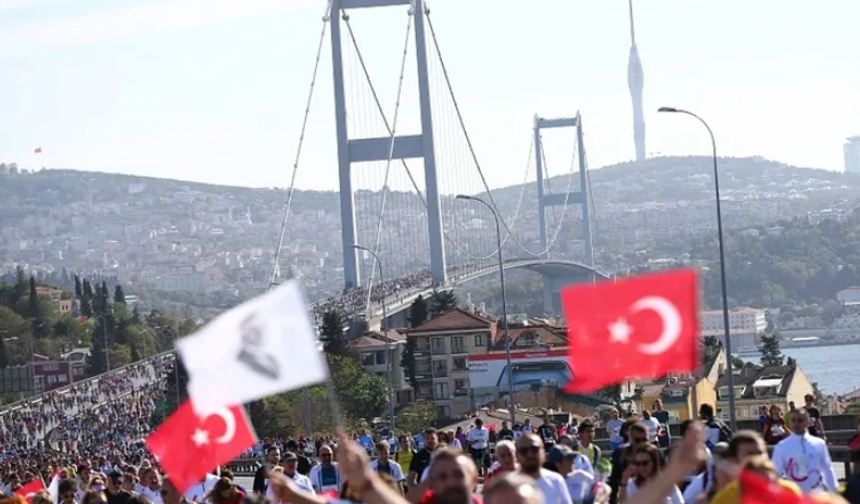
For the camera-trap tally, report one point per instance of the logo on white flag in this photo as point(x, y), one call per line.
point(263, 347)
point(253, 352)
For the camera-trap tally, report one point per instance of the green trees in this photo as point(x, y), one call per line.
point(770, 352)
point(332, 333)
point(118, 295)
point(418, 312)
point(442, 301)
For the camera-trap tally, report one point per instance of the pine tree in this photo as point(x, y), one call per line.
point(770, 352)
point(20, 285)
point(4, 354)
point(97, 361)
point(332, 333)
point(135, 316)
point(105, 298)
point(78, 292)
point(418, 312)
point(443, 301)
point(118, 295)
point(33, 305)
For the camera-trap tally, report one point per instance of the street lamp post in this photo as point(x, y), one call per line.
point(496, 219)
point(388, 356)
point(726, 333)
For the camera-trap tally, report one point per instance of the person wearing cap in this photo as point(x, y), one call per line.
point(304, 464)
point(574, 468)
point(289, 468)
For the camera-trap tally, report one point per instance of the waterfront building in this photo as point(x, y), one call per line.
point(849, 296)
point(742, 318)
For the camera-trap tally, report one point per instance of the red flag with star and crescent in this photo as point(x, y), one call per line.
point(640, 327)
point(188, 446)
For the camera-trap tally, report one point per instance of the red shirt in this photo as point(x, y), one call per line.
point(429, 497)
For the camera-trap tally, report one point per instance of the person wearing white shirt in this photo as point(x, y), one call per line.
point(652, 423)
point(199, 491)
point(804, 459)
point(384, 464)
point(291, 462)
point(574, 467)
point(326, 476)
point(478, 440)
point(531, 456)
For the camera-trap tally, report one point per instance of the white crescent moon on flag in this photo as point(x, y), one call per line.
point(671, 323)
point(229, 422)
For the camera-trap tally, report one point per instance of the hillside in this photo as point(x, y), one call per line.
point(215, 241)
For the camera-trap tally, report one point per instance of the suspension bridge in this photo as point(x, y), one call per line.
point(400, 171)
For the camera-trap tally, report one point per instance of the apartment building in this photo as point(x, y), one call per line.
point(373, 356)
point(442, 348)
point(754, 388)
point(744, 319)
point(849, 296)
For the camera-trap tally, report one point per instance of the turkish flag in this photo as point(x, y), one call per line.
point(188, 446)
point(30, 489)
point(757, 489)
point(642, 327)
point(37, 150)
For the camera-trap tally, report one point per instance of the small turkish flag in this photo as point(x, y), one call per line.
point(30, 489)
point(188, 446)
point(37, 150)
point(643, 327)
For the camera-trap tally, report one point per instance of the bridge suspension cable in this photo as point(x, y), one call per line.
point(390, 130)
point(508, 228)
point(392, 134)
point(289, 202)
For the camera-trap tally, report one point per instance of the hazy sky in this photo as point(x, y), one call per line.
point(214, 90)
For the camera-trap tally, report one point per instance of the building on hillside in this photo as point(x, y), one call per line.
point(756, 387)
point(61, 299)
point(743, 340)
point(851, 150)
point(682, 395)
point(849, 296)
point(371, 350)
point(743, 318)
point(442, 348)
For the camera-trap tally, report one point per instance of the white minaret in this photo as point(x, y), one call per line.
point(636, 81)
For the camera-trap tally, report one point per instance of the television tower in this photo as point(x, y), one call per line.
point(636, 81)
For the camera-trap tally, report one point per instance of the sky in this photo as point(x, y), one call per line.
point(215, 90)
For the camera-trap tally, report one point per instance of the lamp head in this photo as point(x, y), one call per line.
point(668, 109)
point(463, 197)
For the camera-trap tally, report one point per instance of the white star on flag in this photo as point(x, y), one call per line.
point(620, 331)
point(200, 437)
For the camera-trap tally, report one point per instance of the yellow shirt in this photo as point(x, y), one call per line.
point(731, 493)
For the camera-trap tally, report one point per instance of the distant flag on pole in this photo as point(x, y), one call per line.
point(263, 347)
point(37, 150)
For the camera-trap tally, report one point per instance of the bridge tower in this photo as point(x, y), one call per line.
point(377, 149)
point(553, 284)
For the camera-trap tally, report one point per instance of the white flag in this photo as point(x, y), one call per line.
point(263, 347)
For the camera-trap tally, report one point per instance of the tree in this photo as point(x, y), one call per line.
point(417, 416)
point(443, 301)
point(4, 356)
point(418, 312)
point(33, 305)
point(332, 333)
point(78, 291)
point(97, 361)
point(407, 362)
point(118, 295)
point(770, 352)
point(362, 394)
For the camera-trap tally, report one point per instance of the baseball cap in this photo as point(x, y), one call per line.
point(558, 453)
